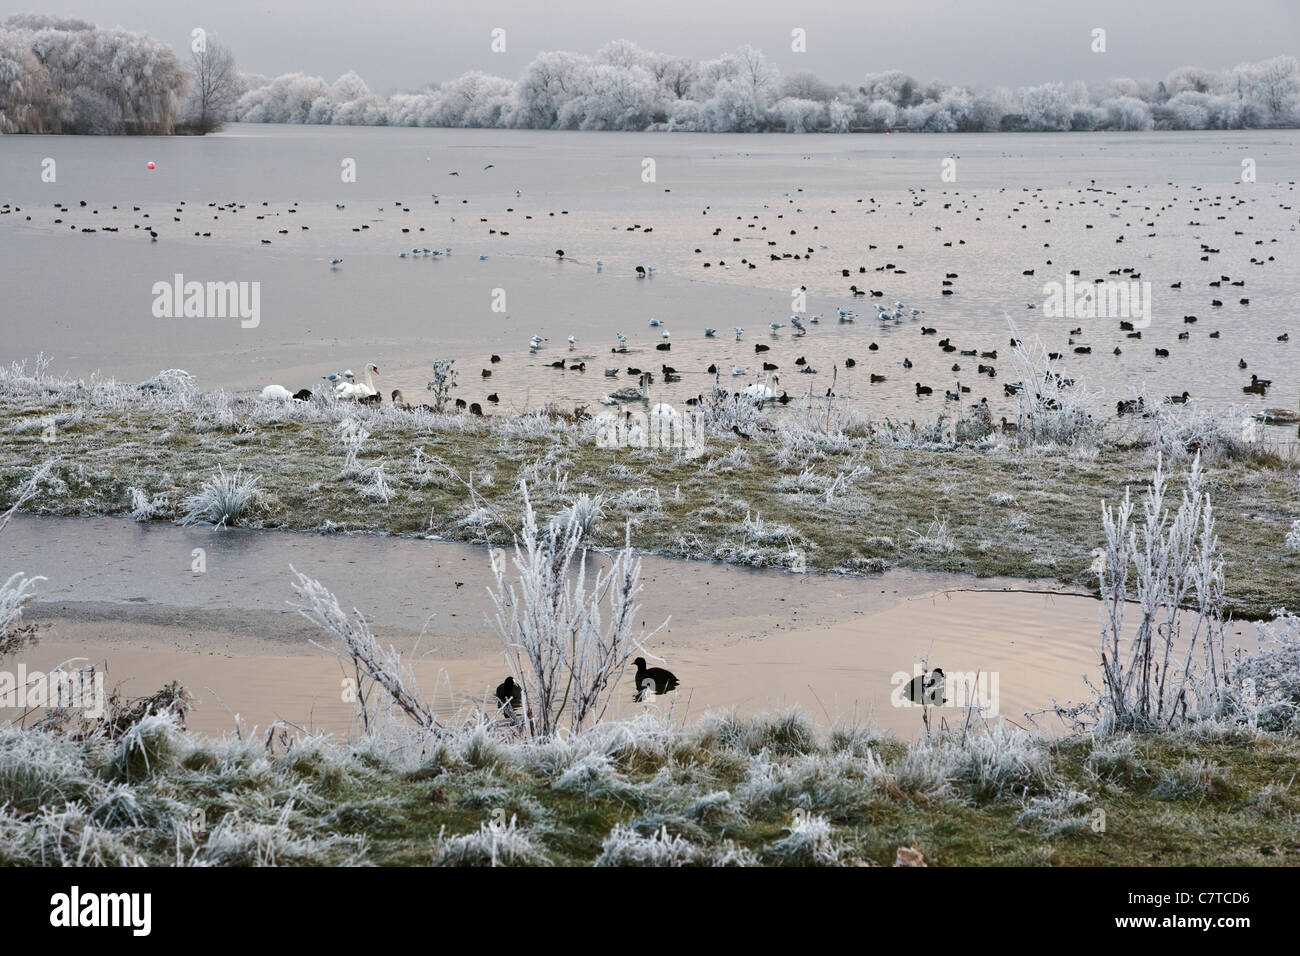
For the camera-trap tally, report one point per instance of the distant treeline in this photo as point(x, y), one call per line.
point(624, 87)
point(62, 75)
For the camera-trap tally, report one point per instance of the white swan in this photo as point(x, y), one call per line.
point(359, 389)
point(664, 413)
point(661, 413)
point(276, 393)
point(762, 393)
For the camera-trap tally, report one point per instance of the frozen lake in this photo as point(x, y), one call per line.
point(1155, 203)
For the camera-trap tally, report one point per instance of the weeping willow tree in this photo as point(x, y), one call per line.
point(28, 101)
point(61, 75)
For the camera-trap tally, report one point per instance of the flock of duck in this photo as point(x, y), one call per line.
point(971, 361)
point(649, 680)
point(975, 360)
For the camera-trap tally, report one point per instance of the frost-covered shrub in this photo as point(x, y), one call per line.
point(1051, 408)
point(1293, 536)
point(562, 652)
point(1174, 665)
point(1274, 670)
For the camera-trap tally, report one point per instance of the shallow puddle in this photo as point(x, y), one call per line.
point(124, 595)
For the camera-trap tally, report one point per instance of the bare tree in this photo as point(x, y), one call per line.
point(215, 85)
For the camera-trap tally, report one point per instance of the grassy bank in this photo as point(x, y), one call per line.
point(724, 791)
point(792, 489)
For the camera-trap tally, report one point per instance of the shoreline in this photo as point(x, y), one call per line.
point(852, 501)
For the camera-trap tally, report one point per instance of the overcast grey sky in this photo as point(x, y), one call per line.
point(405, 44)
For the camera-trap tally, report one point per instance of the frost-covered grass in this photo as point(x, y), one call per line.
point(220, 500)
point(643, 793)
point(822, 489)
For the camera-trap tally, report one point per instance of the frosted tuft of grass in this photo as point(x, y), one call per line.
point(1058, 811)
point(809, 841)
point(592, 776)
point(64, 836)
point(239, 841)
point(375, 484)
point(584, 513)
point(998, 761)
point(147, 748)
point(493, 844)
point(789, 732)
point(15, 593)
point(1194, 779)
point(760, 532)
point(935, 538)
point(39, 768)
point(221, 500)
point(143, 508)
point(1116, 758)
point(625, 847)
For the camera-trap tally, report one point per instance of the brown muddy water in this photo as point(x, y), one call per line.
point(124, 597)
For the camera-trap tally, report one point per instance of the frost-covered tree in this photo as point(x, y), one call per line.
point(674, 74)
point(840, 115)
point(1194, 79)
point(94, 79)
point(1126, 113)
point(796, 115)
point(474, 99)
point(29, 103)
point(1272, 87)
point(626, 87)
point(548, 83)
point(806, 86)
point(352, 103)
point(286, 99)
point(736, 91)
point(1046, 107)
point(881, 115)
point(893, 86)
point(608, 97)
point(215, 86)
